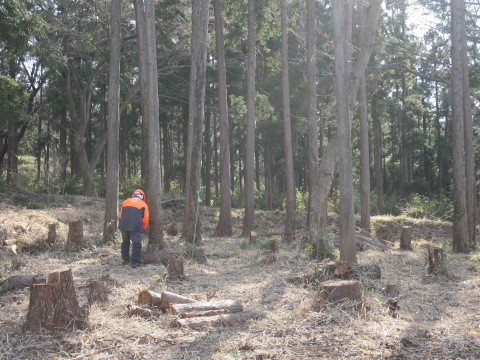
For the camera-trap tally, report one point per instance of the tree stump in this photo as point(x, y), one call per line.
point(75, 236)
point(392, 289)
point(436, 260)
point(406, 238)
point(98, 292)
point(338, 290)
point(172, 262)
point(54, 305)
point(253, 237)
point(52, 234)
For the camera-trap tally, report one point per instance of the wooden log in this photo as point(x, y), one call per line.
point(406, 238)
point(150, 298)
point(75, 236)
point(228, 306)
point(436, 260)
point(170, 298)
point(52, 233)
point(338, 290)
point(54, 305)
point(205, 322)
point(98, 292)
point(20, 282)
point(139, 311)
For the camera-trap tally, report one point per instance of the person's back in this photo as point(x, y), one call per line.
point(134, 216)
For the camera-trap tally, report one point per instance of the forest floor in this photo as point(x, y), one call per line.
point(438, 318)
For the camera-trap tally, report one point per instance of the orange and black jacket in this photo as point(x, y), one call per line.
point(134, 215)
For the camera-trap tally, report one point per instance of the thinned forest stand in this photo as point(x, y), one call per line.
point(54, 305)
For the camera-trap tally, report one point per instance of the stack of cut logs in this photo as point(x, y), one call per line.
point(190, 313)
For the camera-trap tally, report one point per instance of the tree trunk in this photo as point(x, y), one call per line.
point(347, 225)
point(364, 138)
point(113, 127)
point(196, 112)
point(54, 305)
point(377, 146)
point(154, 186)
point(313, 159)
point(200, 308)
point(289, 184)
point(224, 227)
point(249, 218)
point(205, 322)
point(461, 234)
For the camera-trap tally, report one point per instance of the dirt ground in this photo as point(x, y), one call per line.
point(439, 316)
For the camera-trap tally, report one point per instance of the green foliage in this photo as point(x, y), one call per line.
point(12, 97)
point(433, 208)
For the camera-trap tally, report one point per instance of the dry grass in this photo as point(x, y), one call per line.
point(439, 317)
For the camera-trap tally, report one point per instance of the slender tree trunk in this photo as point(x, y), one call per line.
point(191, 224)
point(224, 227)
point(154, 186)
point(289, 184)
point(364, 138)
point(208, 158)
point(249, 219)
point(377, 155)
point(461, 233)
point(347, 224)
point(63, 154)
point(313, 158)
point(113, 128)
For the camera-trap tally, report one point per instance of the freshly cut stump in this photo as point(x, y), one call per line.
point(406, 238)
point(54, 305)
point(338, 290)
point(436, 260)
point(98, 292)
point(75, 236)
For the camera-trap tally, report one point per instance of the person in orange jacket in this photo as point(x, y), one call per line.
point(134, 216)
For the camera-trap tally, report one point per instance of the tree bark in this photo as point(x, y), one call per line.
point(200, 308)
point(249, 218)
point(224, 227)
point(406, 238)
point(191, 224)
point(113, 126)
point(313, 159)
point(289, 182)
point(75, 236)
point(337, 290)
point(205, 322)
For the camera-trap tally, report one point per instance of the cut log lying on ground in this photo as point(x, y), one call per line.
point(202, 308)
point(363, 240)
point(163, 301)
point(139, 311)
point(150, 298)
point(20, 282)
point(205, 322)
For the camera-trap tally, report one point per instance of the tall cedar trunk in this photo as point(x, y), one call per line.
point(113, 127)
point(167, 157)
point(461, 238)
point(208, 158)
point(215, 157)
point(224, 227)
point(12, 159)
point(439, 140)
point(191, 223)
point(39, 148)
point(364, 138)
point(289, 185)
point(154, 186)
point(471, 189)
point(63, 152)
point(249, 219)
point(347, 224)
point(312, 104)
point(143, 69)
point(377, 148)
